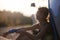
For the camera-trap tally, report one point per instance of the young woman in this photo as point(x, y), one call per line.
point(43, 26)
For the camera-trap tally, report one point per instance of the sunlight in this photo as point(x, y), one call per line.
point(23, 6)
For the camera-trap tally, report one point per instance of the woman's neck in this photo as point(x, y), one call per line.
point(43, 21)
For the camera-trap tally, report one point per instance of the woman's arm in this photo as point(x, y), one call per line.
point(32, 28)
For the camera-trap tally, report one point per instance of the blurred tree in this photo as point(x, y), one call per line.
point(26, 20)
point(2, 21)
point(12, 19)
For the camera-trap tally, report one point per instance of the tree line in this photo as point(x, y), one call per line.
point(8, 18)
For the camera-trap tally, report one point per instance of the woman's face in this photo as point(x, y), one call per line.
point(40, 15)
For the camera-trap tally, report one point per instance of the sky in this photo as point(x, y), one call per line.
point(23, 6)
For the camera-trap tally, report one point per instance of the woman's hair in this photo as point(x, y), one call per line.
point(43, 10)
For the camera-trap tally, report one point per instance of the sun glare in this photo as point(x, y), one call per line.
point(23, 6)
